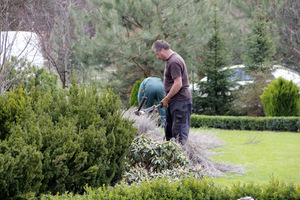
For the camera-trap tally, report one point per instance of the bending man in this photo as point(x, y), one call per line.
point(152, 88)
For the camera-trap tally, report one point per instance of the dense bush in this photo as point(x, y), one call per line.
point(188, 188)
point(281, 98)
point(247, 123)
point(61, 141)
point(133, 100)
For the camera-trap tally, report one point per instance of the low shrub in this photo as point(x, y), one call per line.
point(291, 124)
point(187, 188)
point(149, 159)
point(133, 100)
point(281, 98)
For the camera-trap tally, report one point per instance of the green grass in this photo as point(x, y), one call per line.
point(264, 154)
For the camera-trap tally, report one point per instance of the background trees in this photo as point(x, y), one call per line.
point(112, 39)
point(214, 96)
point(258, 60)
point(120, 34)
point(284, 18)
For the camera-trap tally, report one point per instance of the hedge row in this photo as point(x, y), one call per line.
point(291, 124)
point(188, 188)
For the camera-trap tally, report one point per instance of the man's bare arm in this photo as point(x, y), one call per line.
point(175, 88)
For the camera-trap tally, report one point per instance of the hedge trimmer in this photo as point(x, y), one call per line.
point(147, 110)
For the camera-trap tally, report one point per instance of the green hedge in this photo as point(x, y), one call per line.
point(291, 124)
point(188, 188)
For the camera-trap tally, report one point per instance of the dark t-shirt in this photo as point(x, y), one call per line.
point(175, 67)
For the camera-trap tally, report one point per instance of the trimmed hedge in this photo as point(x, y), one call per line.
point(291, 124)
point(188, 188)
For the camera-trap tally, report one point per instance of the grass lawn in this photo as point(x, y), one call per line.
point(263, 153)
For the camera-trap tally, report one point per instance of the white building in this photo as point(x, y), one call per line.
point(21, 45)
point(278, 71)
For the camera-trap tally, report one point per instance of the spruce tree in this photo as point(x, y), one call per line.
point(214, 96)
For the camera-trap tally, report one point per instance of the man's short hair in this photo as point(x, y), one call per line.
point(158, 45)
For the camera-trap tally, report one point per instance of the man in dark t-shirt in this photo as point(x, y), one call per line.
point(178, 100)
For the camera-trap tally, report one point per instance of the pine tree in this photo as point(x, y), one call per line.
point(214, 96)
point(121, 33)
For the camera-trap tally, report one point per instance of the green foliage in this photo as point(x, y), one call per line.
point(14, 71)
point(187, 188)
point(12, 110)
point(260, 46)
point(121, 33)
point(149, 159)
point(214, 96)
point(155, 157)
point(41, 77)
point(247, 123)
point(133, 100)
point(61, 141)
point(24, 73)
point(258, 60)
point(281, 98)
point(20, 168)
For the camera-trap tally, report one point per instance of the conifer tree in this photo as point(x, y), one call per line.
point(214, 96)
point(258, 61)
point(281, 98)
point(260, 47)
point(121, 33)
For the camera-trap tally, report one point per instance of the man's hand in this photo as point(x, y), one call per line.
point(165, 101)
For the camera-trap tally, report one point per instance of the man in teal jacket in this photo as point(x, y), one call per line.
point(153, 88)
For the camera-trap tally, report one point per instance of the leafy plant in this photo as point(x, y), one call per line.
point(149, 159)
point(155, 157)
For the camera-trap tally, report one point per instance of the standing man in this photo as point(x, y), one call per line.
point(153, 88)
point(178, 100)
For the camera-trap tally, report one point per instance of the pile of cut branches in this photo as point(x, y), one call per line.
point(197, 149)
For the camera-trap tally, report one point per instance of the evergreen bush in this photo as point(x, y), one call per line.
point(61, 140)
point(187, 188)
point(281, 98)
point(133, 100)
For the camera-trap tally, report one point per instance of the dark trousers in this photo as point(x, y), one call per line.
point(178, 120)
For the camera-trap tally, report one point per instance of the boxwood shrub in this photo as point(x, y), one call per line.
point(187, 188)
point(291, 124)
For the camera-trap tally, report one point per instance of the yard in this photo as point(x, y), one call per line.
point(263, 154)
